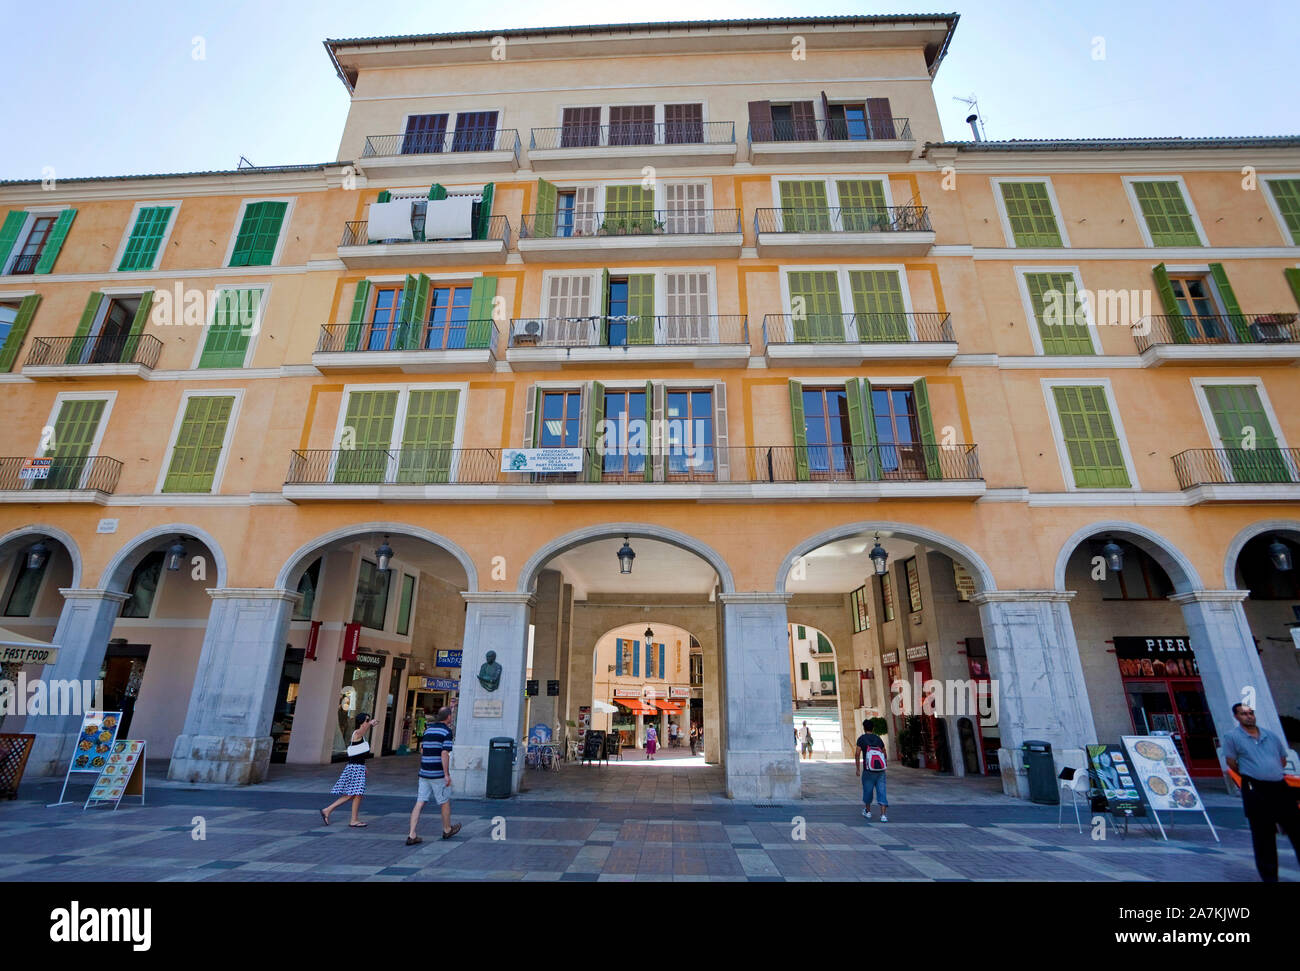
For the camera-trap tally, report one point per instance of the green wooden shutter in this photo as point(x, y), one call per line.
point(544, 220)
point(54, 242)
point(1292, 275)
point(198, 444)
point(800, 426)
point(878, 305)
point(1170, 303)
point(641, 307)
point(628, 207)
point(384, 196)
point(428, 437)
point(1286, 194)
point(1235, 316)
point(1090, 438)
point(360, 300)
point(1168, 220)
point(74, 434)
point(481, 327)
point(15, 219)
point(1029, 211)
point(408, 333)
point(258, 234)
point(1065, 336)
point(533, 418)
point(370, 415)
point(226, 344)
point(137, 327)
point(930, 445)
point(805, 209)
point(604, 306)
point(18, 331)
point(862, 206)
point(822, 320)
point(862, 430)
point(146, 236)
point(437, 192)
point(77, 347)
point(484, 222)
point(1237, 407)
point(596, 462)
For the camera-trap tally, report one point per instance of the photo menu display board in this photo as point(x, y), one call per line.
point(1112, 776)
point(1161, 772)
point(95, 741)
point(123, 775)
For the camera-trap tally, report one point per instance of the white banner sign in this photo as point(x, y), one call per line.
point(35, 469)
point(541, 460)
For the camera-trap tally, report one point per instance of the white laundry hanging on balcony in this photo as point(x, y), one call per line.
point(390, 220)
point(450, 218)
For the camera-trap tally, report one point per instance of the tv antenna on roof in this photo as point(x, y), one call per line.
point(245, 164)
point(974, 119)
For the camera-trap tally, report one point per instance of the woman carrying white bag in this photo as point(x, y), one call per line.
point(352, 782)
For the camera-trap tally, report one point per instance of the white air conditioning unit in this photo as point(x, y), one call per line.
point(528, 331)
point(1271, 328)
point(828, 687)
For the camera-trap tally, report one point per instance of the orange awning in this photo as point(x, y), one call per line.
point(673, 707)
point(636, 706)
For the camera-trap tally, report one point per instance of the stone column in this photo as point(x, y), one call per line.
point(494, 622)
point(1038, 678)
point(81, 636)
point(1227, 657)
point(547, 618)
point(760, 759)
point(226, 738)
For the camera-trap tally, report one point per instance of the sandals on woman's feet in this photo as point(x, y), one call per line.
point(325, 817)
point(358, 825)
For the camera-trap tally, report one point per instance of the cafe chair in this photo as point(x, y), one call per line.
point(1076, 783)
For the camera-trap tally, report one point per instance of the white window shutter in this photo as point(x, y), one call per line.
point(721, 440)
point(530, 405)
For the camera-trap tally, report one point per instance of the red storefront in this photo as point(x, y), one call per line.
point(1162, 686)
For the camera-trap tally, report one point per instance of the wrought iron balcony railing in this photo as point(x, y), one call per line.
point(876, 219)
point(97, 473)
point(355, 233)
point(629, 331)
point(449, 335)
point(832, 130)
point(634, 133)
point(438, 142)
point(641, 222)
point(142, 349)
point(702, 464)
point(884, 328)
point(25, 265)
point(1221, 466)
point(1275, 328)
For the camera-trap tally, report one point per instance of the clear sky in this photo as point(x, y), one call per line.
point(114, 88)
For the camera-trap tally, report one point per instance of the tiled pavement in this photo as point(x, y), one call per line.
point(623, 823)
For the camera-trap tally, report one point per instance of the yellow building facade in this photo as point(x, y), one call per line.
point(277, 439)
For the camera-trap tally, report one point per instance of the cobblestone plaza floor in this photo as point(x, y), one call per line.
point(666, 820)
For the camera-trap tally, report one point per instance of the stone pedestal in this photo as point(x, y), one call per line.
point(85, 624)
point(227, 738)
point(494, 622)
point(1227, 657)
point(1038, 679)
point(760, 762)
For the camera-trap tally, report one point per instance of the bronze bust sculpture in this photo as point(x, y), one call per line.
point(489, 675)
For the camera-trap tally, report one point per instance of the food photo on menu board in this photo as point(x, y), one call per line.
point(1112, 775)
point(1161, 772)
point(94, 744)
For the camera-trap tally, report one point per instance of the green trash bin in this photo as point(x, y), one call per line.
point(1041, 771)
point(501, 760)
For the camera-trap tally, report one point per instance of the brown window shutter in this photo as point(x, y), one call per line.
point(581, 127)
point(805, 121)
point(683, 124)
point(632, 125)
point(880, 118)
point(760, 121)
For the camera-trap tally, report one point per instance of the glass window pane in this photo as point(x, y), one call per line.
point(143, 586)
point(23, 595)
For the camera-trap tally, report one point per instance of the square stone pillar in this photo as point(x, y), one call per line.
point(1037, 678)
point(547, 621)
point(1227, 657)
point(227, 733)
point(494, 622)
point(81, 636)
point(760, 761)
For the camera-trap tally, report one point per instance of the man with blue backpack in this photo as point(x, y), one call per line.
point(869, 760)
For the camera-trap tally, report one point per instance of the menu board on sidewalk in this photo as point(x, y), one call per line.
point(1160, 770)
point(95, 741)
point(122, 776)
point(1111, 775)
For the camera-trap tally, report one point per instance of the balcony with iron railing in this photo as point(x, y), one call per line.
point(584, 146)
point(1239, 474)
point(631, 234)
point(759, 473)
point(118, 355)
point(25, 265)
point(417, 154)
point(420, 348)
point(833, 140)
point(86, 478)
point(836, 231)
point(488, 242)
point(1216, 339)
point(854, 339)
point(544, 343)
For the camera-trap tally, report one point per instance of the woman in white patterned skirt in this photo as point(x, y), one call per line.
point(352, 782)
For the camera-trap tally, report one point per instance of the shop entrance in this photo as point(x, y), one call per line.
point(286, 701)
point(121, 673)
point(1178, 709)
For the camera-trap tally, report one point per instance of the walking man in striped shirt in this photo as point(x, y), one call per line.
point(435, 775)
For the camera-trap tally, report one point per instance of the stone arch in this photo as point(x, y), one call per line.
point(528, 575)
point(1245, 536)
point(969, 558)
point(37, 530)
point(1174, 562)
point(291, 565)
point(118, 572)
